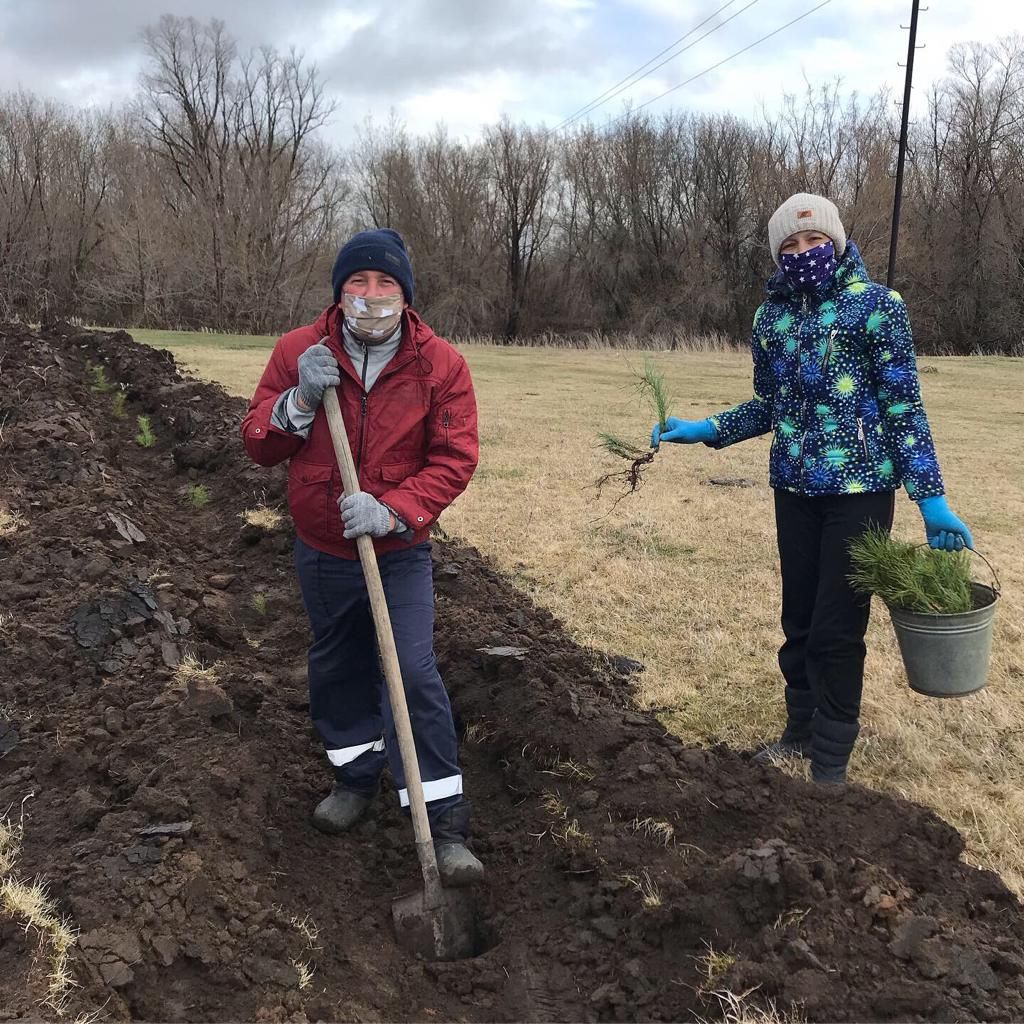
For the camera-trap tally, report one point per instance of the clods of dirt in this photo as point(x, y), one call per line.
point(156, 749)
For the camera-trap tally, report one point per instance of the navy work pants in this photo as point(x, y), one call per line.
point(347, 698)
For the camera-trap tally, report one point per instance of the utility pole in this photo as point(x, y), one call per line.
point(901, 160)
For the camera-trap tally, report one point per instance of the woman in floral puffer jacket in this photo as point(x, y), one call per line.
point(835, 379)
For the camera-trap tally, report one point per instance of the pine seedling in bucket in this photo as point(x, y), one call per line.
point(942, 617)
point(911, 577)
point(654, 391)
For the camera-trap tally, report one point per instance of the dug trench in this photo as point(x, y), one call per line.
point(156, 753)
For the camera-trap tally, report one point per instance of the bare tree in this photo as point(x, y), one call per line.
point(521, 164)
point(253, 192)
point(214, 200)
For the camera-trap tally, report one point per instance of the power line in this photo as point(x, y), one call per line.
point(725, 60)
point(634, 76)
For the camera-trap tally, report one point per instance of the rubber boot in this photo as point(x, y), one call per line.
point(340, 809)
point(456, 864)
point(796, 737)
point(831, 747)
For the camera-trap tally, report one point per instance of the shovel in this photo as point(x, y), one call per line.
point(437, 923)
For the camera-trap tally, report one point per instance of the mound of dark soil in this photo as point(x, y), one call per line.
point(629, 875)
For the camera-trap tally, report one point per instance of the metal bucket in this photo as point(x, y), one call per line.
point(947, 655)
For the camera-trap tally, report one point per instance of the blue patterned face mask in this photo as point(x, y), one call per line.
point(808, 271)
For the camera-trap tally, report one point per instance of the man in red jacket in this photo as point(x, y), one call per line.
point(408, 403)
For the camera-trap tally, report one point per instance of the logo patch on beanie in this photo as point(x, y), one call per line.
point(392, 258)
point(804, 214)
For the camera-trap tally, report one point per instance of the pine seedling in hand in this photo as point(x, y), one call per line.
point(653, 390)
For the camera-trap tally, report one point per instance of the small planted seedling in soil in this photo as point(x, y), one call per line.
point(259, 604)
point(98, 377)
point(654, 391)
point(145, 437)
point(198, 495)
point(120, 406)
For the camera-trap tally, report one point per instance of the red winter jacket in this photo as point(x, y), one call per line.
point(413, 436)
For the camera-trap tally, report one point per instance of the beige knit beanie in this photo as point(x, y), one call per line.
point(806, 212)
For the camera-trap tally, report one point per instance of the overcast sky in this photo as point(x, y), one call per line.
point(468, 62)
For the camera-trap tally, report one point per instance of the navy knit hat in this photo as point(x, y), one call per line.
point(382, 250)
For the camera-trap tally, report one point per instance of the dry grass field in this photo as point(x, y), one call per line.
point(683, 575)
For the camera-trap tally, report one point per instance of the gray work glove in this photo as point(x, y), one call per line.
point(363, 514)
point(318, 370)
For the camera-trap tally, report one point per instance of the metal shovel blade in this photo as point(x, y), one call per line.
point(445, 932)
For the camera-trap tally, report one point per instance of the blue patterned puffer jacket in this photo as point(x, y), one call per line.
point(835, 378)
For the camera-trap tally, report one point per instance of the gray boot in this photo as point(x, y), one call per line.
point(796, 738)
point(830, 750)
point(782, 750)
point(456, 864)
point(340, 810)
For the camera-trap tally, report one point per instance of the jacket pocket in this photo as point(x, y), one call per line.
point(312, 499)
point(396, 472)
point(446, 423)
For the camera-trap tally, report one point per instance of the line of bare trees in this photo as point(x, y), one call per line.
point(212, 200)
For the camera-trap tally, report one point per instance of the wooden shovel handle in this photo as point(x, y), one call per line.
point(389, 662)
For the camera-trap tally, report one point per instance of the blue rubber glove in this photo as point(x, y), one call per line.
point(683, 431)
point(944, 530)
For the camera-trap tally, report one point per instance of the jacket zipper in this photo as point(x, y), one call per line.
point(862, 437)
point(446, 420)
point(362, 430)
point(828, 348)
point(803, 398)
point(362, 414)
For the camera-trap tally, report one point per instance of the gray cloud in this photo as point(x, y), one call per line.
point(529, 58)
point(423, 44)
point(44, 43)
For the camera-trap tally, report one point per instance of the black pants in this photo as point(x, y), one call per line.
point(823, 618)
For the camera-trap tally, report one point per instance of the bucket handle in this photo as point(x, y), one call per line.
point(997, 588)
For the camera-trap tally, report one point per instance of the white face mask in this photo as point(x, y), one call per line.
point(372, 320)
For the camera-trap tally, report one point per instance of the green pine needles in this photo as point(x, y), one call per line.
point(911, 577)
point(619, 447)
point(98, 378)
point(197, 495)
point(145, 437)
point(653, 390)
